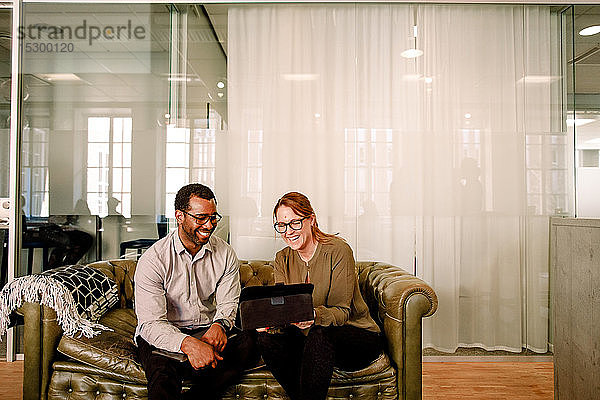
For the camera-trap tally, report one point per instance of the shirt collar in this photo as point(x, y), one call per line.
point(180, 248)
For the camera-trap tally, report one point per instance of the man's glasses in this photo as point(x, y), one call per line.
point(202, 219)
point(295, 224)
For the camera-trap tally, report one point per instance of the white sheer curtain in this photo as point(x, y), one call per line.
point(446, 164)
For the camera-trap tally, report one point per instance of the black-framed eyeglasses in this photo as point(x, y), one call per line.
point(202, 219)
point(295, 224)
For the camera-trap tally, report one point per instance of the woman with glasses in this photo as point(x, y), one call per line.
point(342, 333)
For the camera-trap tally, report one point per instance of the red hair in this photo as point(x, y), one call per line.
point(300, 204)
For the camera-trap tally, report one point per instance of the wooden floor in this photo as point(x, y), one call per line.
point(11, 380)
point(488, 380)
point(447, 380)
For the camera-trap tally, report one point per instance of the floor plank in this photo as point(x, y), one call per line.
point(488, 380)
point(441, 380)
point(11, 380)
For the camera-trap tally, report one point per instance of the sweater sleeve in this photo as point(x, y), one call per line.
point(279, 267)
point(336, 311)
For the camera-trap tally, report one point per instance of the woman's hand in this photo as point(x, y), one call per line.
point(304, 324)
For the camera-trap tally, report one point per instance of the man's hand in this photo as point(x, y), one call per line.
point(200, 354)
point(216, 337)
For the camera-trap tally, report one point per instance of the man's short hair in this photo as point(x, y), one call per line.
point(182, 199)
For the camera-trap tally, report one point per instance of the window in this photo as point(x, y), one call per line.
point(109, 165)
point(547, 174)
point(368, 169)
point(190, 157)
point(254, 184)
point(35, 171)
point(588, 158)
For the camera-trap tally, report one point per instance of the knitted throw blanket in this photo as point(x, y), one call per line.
point(78, 294)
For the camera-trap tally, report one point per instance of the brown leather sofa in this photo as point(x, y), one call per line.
point(106, 366)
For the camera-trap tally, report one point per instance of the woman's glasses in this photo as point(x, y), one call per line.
point(295, 224)
point(202, 219)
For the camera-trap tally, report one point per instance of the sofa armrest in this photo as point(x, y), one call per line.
point(40, 342)
point(401, 301)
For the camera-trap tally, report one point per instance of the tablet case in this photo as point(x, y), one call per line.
point(275, 306)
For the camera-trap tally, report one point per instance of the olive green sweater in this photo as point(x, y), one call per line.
point(332, 270)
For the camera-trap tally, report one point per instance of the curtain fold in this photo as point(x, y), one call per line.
point(447, 164)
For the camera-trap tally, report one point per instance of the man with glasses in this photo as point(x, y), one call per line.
point(187, 288)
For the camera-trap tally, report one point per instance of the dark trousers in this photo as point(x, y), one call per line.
point(165, 376)
point(303, 365)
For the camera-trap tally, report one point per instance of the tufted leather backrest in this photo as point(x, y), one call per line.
point(122, 272)
point(252, 273)
point(373, 279)
point(256, 273)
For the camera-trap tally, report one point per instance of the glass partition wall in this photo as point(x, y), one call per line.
point(94, 123)
point(428, 136)
point(5, 110)
point(584, 105)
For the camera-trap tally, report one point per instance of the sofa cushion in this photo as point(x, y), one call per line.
point(381, 368)
point(77, 381)
point(112, 352)
point(120, 320)
point(376, 381)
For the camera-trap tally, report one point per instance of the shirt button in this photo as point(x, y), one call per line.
point(97, 392)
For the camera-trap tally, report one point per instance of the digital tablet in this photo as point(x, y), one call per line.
point(181, 357)
point(275, 306)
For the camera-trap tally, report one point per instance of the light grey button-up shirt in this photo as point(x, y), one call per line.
point(174, 290)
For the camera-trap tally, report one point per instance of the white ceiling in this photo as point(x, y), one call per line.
point(121, 72)
point(587, 71)
point(137, 71)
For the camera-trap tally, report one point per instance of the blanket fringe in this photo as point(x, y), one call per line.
point(46, 291)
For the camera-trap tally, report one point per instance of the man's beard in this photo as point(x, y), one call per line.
point(194, 238)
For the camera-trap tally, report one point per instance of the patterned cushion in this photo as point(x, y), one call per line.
point(94, 293)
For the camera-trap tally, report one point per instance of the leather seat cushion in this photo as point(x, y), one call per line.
point(76, 381)
point(113, 352)
point(121, 320)
point(114, 356)
point(376, 381)
point(380, 369)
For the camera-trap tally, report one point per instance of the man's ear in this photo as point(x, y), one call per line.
point(179, 216)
